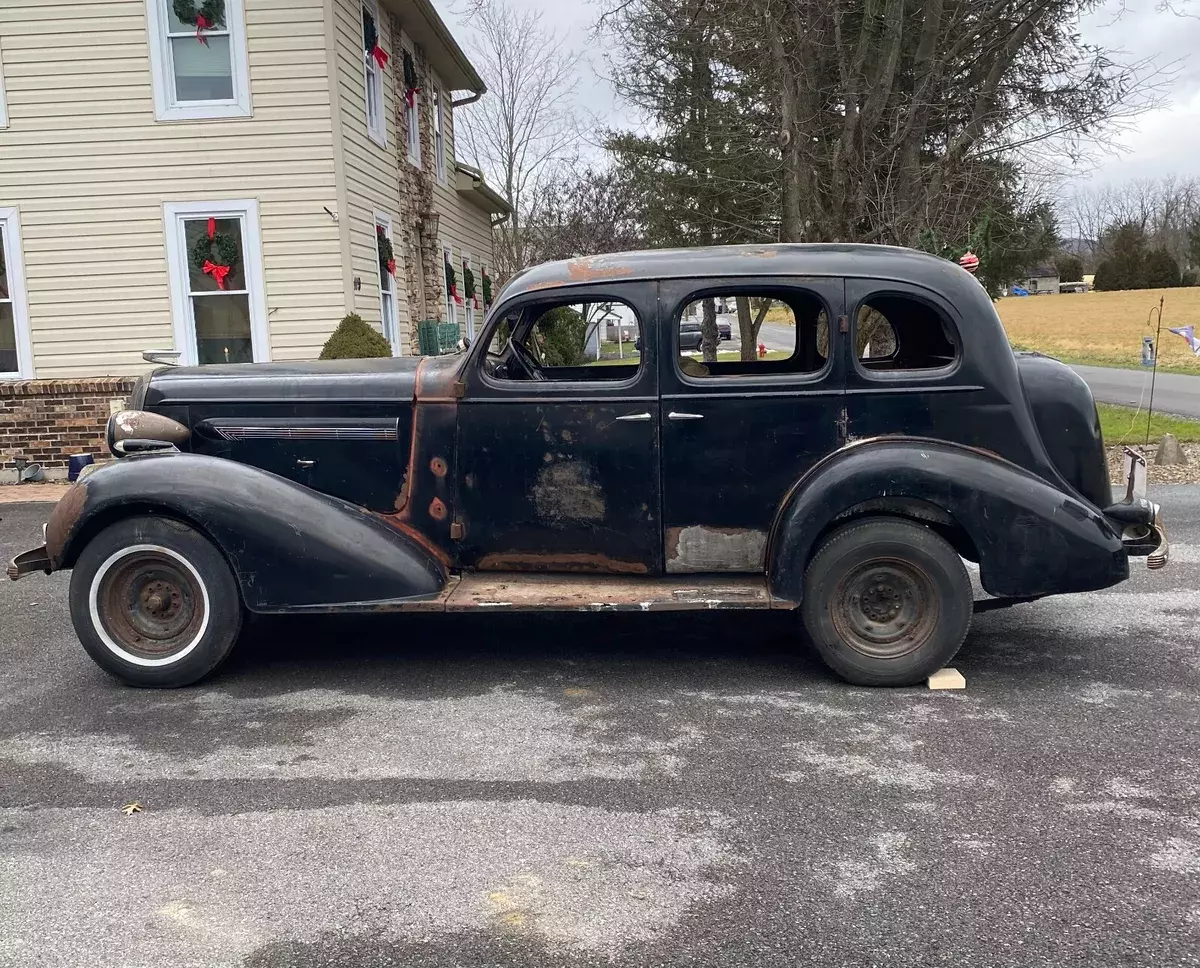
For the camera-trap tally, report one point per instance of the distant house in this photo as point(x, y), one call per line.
point(1039, 280)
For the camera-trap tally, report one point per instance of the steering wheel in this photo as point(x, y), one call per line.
point(528, 363)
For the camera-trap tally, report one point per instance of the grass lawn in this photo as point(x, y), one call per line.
point(1103, 328)
point(1126, 425)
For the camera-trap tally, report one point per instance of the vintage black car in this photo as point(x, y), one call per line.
point(846, 480)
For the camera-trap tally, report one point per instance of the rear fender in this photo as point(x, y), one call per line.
point(1031, 538)
point(289, 546)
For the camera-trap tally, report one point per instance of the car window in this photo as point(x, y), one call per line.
point(566, 341)
point(896, 332)
point(752, 333)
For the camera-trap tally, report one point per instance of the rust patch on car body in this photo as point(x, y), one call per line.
point(698, 549)
point(567, 492)
point(437, 510)
point(438, 466)
point(596, 269)
point(144, 425)
point(63, 520)
point(574, 562)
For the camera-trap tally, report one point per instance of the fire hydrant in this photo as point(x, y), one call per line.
point(762, 351)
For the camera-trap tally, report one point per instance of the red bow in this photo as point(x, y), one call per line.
point(217, 272)
point(454, 293)
point(380, 55)
point(391, 266)
point(202, 24)
point(411, 95)
point(212, 227)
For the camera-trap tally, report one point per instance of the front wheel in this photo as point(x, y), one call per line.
point(887, 602)
point(154, 602)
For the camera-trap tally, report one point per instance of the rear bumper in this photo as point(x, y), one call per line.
point(1143, 534)
point(26, 563)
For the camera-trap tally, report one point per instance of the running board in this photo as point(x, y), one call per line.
point(520, 592)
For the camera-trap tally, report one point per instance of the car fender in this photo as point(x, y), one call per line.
point(289, 546)
point(1031, 538)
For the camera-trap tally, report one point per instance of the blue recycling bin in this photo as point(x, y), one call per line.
point(77, 463)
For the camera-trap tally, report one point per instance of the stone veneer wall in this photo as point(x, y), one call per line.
point(47, 421)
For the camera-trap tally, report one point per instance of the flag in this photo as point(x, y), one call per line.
point(1189, 334)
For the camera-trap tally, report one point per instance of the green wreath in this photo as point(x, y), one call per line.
point(468, 283)
point(487, 289)
point(386, 252)
point(213, 12)
point(220, 249)
point(370, 32)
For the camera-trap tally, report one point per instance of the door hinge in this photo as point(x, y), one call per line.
point(843, 324)
point(456, 530)
point(843, 426)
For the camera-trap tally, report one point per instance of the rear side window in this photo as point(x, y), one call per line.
point(752, 333)
point(895, 332)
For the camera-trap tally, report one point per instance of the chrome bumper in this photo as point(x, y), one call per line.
point(1138, 521)
point(26, 563)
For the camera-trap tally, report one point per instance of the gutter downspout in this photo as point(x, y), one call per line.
point(462, 102)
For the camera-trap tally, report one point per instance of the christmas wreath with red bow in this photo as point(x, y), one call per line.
point(215, 254)
point(469, 285)
point(411, 90)
point(387, 255)
point(487, 290)
point(452, 282)
point(206, 16)
point(371, 41)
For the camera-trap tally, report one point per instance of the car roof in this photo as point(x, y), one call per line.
point(885, 262)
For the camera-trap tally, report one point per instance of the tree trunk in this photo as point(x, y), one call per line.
point(746, 332)
point(709, 337)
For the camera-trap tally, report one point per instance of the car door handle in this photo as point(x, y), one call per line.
point(305, 464)
point(684, 416)
point(635, 417)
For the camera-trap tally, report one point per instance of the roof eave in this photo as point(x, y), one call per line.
point(421, 22)
point(470, 182)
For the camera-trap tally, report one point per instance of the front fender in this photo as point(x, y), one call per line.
point(288, 545)
point(1032, 539)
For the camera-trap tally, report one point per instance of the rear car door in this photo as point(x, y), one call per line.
point(558, 459)
point(739, 432)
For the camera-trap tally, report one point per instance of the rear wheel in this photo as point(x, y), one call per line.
point(154, 602)
point(887, 602)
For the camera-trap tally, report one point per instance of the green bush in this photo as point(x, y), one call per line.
point(563, 333)
point(354, 339)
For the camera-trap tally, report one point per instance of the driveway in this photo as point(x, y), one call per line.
point(608, 790)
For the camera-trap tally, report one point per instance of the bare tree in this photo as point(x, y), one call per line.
point(1164, 210)
point(525, 126)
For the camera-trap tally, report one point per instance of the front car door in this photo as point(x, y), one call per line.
point(558, 457)
point(737, 433)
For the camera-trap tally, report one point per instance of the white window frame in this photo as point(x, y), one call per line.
point(412, 119)
point(373, 84)
point(162, 73)
point(385, 222)
point(439, 133)
point(465, 262)
point(182, 318)
point(3, 101)
point(451, 305)
point(10, 232)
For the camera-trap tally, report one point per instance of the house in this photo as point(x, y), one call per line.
point(225, 186)
point(1040, 280)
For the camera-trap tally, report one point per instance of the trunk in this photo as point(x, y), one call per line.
point(745, 327)
point(709, 337)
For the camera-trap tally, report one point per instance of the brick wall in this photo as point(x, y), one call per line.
point(46, 421)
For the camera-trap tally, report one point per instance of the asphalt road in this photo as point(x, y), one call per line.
point(608, 790)
point(1173, 392)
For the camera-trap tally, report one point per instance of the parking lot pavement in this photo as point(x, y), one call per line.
point(608, 790)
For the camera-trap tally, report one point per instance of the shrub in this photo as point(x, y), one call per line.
point(564, 333)
point(354, 339)
point(1070, 268)
point(1160, 270)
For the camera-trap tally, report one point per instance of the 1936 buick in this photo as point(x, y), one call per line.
point(549, 467)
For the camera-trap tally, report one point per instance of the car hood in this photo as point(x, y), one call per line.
point(318, 381)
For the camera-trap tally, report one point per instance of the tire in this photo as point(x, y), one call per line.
point(155, 603)
point(887, 602)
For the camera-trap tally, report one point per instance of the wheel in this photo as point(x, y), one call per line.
point(887, 602)
point(154, 602)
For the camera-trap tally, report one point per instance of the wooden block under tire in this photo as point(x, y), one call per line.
point(947, 678)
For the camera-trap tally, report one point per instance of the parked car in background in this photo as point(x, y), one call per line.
point(844, 486)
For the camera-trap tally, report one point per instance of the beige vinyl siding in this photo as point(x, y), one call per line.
point(372, 176)
point(463, 225)
point(89, 168)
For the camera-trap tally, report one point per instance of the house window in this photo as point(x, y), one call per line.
point(198, 71)
point(16, 354)
point(453, 285)
point(388, 313)
point(374, 74)
point(412, 109)
point(439, 133)
point(470, 282)
point(217, 287)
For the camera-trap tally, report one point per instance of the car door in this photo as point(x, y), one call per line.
point(562, 473)
point(739, 432)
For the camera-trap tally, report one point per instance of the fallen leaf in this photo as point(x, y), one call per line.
point(131, 808)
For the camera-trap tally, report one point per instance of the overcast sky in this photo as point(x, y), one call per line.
point(1161, 142)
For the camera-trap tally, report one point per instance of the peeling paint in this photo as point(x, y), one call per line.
point(580, 562)
point(438, 466)
point(700, 549)
point(566, 493)
point(437, 510)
